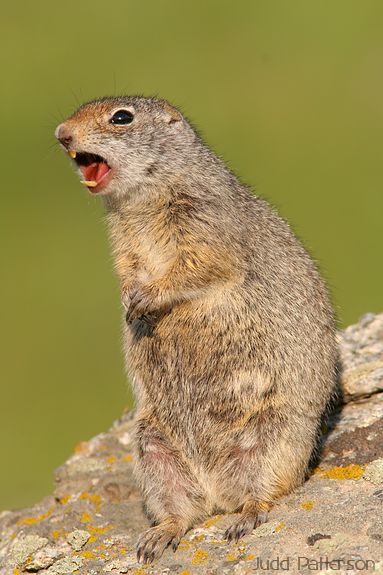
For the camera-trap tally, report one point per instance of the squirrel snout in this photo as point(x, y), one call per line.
point(64, 135)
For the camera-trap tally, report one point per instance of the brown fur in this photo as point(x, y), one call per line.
point(230, 338)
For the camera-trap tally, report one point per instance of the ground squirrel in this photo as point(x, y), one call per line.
point(229, 333)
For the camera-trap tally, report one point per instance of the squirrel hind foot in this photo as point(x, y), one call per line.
point(153, 542)
point(253, 514)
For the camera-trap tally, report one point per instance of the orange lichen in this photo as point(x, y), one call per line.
point(308, 505)
point(280, 526)
point(128, 457)
point(351, 471)
point(16, 571)
point(87, 554)
point(184, 545)
point(64, 500)
point(110, 460)
point(123, 551)
point(33, 520)
point(80, 447)
point(57, 533)
point(231, 557)
point(212, 521)
point(92, 539)
point(85, 518)
point(95, 499)
point(98, 530)
point(185, 573)
point(200, 557)
point(198, 538)
point(249, 557)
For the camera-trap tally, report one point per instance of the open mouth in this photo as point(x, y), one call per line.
point(94, 168)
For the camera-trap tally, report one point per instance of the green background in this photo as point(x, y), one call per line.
point(290, 93)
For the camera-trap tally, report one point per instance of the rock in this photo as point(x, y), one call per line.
point(316, 537)
point(122, 565)
point(374, 472)
point(91, 523)
point(66, 566)
point(328, 544)
point(375, 531)
point(268, 528)
point(22, 548)
point(362, 354)
point(78, 538)
point(42, 559)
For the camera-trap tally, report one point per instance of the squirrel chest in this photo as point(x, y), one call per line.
point(143, 248)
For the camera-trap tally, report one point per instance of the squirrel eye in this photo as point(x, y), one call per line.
point(122, 117)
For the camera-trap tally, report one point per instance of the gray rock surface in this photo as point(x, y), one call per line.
point(332, 524)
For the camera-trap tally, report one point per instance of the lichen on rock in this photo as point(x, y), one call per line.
point(374, 472)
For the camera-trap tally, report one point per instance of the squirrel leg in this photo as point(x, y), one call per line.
point(268, 459)
point(171, 492)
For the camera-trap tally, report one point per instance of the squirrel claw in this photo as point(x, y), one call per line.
point(154, 541)
point(175, 543)
point(244, 526)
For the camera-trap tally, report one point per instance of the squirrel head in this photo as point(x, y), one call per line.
point(123, 143)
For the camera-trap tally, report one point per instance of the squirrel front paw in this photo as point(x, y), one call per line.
point(126, 297)
point(140, 302)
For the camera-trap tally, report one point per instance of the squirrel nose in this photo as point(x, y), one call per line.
point(63, 135)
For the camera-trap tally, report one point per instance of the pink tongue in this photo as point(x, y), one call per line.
point(95, 172)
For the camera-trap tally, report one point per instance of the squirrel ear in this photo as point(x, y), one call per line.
point(171, 114)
